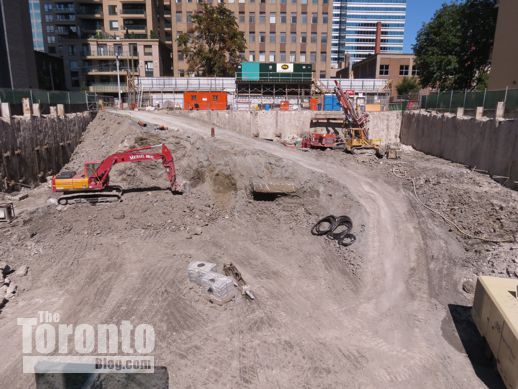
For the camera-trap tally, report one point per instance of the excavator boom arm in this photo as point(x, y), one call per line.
point(100, 179)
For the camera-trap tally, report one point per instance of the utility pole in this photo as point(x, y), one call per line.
point(118, 79)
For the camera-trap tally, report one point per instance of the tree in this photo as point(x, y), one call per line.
point(407, 86)
point(214, 47)
point(453, 50)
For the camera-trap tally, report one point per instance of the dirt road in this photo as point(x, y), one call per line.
point(376, 314)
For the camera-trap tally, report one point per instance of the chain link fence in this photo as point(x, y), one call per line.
point(75, 101)
point(449, 101)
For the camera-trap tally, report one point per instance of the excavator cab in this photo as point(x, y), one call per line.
point(91, 169)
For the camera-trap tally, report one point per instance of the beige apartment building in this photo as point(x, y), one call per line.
point(91, 34)
point(275, 30)
point(504, 67)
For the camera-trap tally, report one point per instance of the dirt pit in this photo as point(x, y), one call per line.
point(388, 311)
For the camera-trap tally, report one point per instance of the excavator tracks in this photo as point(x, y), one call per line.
point(111, 194)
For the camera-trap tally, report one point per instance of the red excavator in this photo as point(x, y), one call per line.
point(94, 184)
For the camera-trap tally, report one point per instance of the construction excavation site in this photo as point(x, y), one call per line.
point(330, 269)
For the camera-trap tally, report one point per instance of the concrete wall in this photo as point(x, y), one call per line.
point(33, 148)
point(484, 144)
point(283, 124)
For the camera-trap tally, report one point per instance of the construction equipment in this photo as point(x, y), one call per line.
point(94, 184)
point(319, 141)
point(495, 313)
point(356, 133)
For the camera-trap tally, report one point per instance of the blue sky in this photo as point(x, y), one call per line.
point(419, 12)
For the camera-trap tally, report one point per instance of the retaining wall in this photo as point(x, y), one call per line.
point(283, 124)
point(488, 145)
point(33, 148)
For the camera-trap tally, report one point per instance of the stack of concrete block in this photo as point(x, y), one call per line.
point(219, 288)
point(197, 269)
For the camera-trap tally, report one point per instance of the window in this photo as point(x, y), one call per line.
point(323, 74)
point(404, 70)
point(302, 57)
point(71, 50)
point(283, 37)
point(283, 56)
point(112, 9)
point(241, 17)
point(314, 18)
point(384, 70)
point(272, 18)
point(323, 57)
point(293, 18)
point(303, 37)
point(251, 37)
point(251, 17)
point(251, 56)
point(50, 28)
point(194, 97)
point(415, 71)
point(262, 18)
point(148, 50)
point(323, 38)
point(313, 37)
point(271, 57)
point(272, 37)
point(262, 38)
point(292, 56)
point(178, 17)
point(283, 17)
point(324, 18)
point(304, 18)
point(312, 57)
point(149, 68)
point(261, 56)
point(215, 97)
point(102, 49)
point(189, 17)
point(114, 25)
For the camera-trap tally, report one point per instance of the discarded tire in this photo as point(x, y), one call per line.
point(344, 221)
point(347, 240)
point(343, 224)
point(316, 230)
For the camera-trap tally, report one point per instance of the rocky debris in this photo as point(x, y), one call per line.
point(52, 201)
point(7, 287)
point(468, 286)
point(217, 288)
point(22, 271)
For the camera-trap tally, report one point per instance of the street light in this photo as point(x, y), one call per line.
point(118, 79)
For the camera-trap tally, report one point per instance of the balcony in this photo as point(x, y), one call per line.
point(109, 70)
point(132, 24)
point(112, 54)
point(91, 12)
point(133, 12)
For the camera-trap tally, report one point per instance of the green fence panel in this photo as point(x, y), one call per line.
point(492, 99)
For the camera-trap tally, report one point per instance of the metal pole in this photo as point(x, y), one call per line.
point(451, 99)
point(465, 96)
point(505, 96)
point(118, 79)
point(484, 101)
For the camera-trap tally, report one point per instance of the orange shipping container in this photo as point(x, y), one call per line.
point(205, 101)
point(285, 105)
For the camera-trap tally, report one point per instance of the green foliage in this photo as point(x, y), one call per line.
point(407, 86)
point(453, 49)
point(214, 48)
point(153, 34)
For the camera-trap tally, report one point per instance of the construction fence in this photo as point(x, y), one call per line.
point(75, 101)
point(449, 101)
